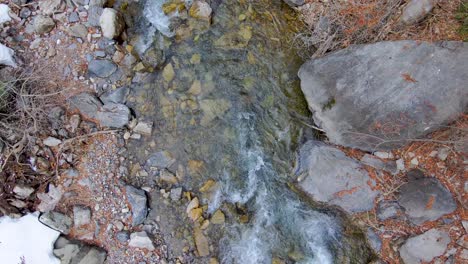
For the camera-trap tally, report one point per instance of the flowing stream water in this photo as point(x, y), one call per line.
point(227, 111)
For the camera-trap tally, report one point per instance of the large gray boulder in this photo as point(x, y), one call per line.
point(378, 96)
point(328, 175)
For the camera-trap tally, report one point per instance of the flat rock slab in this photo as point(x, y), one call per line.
point(425, 247)
point(378, 96)
point(56, 221)
point(425, 199)
point(112, 115)
point(101, 68)
point(328, 175)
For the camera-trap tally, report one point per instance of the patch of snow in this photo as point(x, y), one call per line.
point(4, 13)
point(6, 56)
point(26, 240)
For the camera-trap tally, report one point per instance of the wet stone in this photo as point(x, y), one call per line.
point(160, 159)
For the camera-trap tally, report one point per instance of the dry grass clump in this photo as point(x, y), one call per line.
point(334, 25)
point(26, 97)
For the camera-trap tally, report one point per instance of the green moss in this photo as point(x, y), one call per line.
point(329, 104)
point(462, 16)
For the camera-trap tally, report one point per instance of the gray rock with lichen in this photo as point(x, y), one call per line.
point(378, 96)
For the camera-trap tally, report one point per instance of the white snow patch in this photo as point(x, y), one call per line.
point(26, 239)
point(6, 56)
point(4, 13)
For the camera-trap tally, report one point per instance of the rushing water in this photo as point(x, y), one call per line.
point(229, 109)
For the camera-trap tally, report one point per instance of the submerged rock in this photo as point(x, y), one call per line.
point(328, 175)
point(201, 242)
point(425, 199)
point(425, 247)
point(160, 159)
point(378, 96)
point(200, 10)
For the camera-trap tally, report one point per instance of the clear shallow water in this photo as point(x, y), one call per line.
point(229, 110)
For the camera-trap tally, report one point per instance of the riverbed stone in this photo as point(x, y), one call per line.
point(295, 3)
point(388, 210)
point(101, 68)
point(425, 199)
point(113, 115)
point(378, 96)
point(81, 215)
point(200, 10)
point(86, 104)
point(424, 247)
point(160, 159)
point(201, 242)
point(123, 236)
point(118, 96)
point(94, 14)
point(112, 23)
point(176, 194)
point(141, 240)
point(56, 221)
point(50, 7)
point(144, 128)
point(79, 31)
point(43, 24)
point(138, 204)
point(416, 10)
point(373, 161)
point(70, 252)
point(328, 175)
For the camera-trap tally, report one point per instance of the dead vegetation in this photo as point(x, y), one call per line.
point(26, 98)
point(334, 25)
